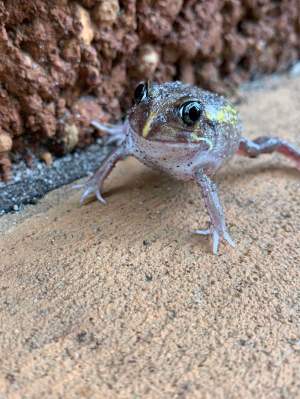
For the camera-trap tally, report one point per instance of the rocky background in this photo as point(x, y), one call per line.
point(65, 62)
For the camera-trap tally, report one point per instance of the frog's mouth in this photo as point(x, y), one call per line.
point(171, 135)
point(201, 141)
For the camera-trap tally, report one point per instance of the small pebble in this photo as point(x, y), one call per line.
point(5, 142)
point(47, 158)
point(106, 12)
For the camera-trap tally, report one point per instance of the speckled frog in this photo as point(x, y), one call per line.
point(188, 133)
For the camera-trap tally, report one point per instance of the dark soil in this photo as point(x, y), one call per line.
point(31, 184)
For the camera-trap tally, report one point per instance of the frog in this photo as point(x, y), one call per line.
point(188, 133)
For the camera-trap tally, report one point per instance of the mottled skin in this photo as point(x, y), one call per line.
point(188, 133)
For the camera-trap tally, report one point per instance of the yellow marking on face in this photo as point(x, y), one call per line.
point(195, 137)
point(148, 123)
point(226, 114)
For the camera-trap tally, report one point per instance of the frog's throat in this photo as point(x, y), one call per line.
point(148, 123)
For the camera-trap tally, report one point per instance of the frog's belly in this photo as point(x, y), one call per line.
point(177, 159)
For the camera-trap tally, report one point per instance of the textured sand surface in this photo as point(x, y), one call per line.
point(121, 301)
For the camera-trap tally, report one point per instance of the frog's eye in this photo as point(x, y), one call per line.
point(190, 112)
point(141, 92)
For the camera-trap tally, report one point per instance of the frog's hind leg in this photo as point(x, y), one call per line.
point(94, 184)
point(267, 145)
point(115, 133)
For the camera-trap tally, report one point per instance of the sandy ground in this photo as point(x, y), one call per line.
point(122, 301)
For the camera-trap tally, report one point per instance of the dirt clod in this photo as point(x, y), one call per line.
point(106, 12)
point(5, 142)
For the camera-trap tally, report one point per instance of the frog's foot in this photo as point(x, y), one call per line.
point(115, 133)
point(217, 236)
point(95, 183)
point(217, 228)
point(91, 188)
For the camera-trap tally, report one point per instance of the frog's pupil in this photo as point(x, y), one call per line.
point(194, 113)
point(140, 92)
point(191, 112)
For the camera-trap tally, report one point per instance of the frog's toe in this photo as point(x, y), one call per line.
point(204, 232)
point(216, 238)
point(77, 186)
point(226, 237)
point(91, 188)
point(115, 139)
point(86, 193)
point(115, 133)
point(99, 196)
point(215, 242)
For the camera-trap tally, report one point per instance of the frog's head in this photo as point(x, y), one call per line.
point(175, 112)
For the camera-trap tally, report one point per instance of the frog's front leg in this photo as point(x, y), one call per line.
point(95, 183)
point(217, 228)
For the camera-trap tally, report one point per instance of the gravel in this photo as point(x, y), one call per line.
point(30, 184)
